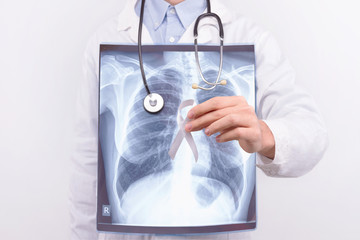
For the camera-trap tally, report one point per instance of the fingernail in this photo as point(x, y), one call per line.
point(207, 132)
point(188, 127)
point(191, 114)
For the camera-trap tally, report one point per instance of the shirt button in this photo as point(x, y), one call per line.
point(172, 11)
point(171, 39)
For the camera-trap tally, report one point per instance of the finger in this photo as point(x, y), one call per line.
point(230, 121)
point(234, 134)
point(215, 103)
point(207, 119)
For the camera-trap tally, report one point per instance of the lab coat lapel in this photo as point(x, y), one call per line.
point(129, 22)
point(133, 33)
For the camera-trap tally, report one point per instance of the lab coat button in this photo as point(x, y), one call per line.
point(171, 39)
point(172, 11)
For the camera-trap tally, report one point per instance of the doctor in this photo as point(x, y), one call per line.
point(286, 132)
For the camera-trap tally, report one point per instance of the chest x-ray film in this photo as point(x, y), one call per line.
point(153, 177)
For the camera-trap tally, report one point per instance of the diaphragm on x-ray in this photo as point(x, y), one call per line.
point(140, 188)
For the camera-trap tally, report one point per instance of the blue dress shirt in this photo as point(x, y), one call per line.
point(166, 23)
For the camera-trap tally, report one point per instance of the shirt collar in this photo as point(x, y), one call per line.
point(130, 19)
point(189, 10)
point(156, 10)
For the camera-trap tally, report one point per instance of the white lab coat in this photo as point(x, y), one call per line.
point(290, 113)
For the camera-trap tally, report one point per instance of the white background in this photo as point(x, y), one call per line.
point(41, 46)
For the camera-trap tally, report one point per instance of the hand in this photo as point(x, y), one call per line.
point(234, 119)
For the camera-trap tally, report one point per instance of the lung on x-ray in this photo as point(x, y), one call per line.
point(141, 188)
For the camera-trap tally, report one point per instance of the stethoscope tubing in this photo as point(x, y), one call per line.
point(154, 98)
point(221, 35)
point(140, 47)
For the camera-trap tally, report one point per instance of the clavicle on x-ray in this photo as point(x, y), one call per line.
point(153, 177)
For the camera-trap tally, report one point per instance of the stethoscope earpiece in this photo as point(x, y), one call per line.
point(223, 82)
point(196, 86)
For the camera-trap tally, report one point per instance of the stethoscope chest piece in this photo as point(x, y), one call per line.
point(153, 103)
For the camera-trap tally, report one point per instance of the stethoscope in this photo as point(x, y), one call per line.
point(154, 102)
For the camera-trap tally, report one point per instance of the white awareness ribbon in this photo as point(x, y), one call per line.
point(182, 133)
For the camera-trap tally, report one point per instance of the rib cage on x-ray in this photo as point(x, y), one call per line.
point(149, 135)
point(142, 140)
